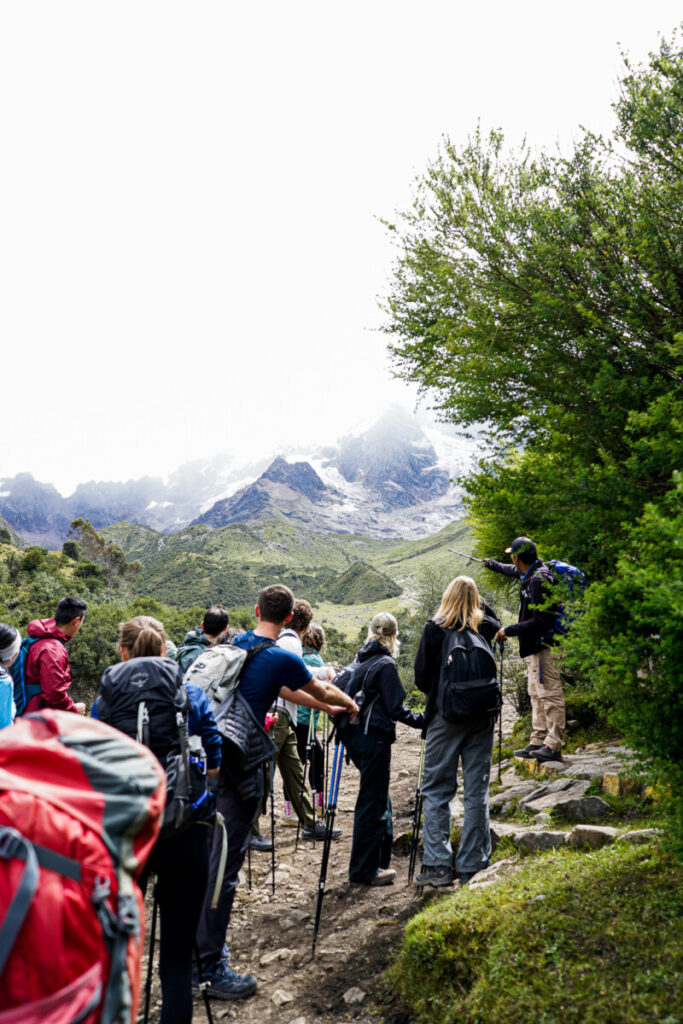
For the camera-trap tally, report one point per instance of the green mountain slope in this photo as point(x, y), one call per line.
point(200, 564)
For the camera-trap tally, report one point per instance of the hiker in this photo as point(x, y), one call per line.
point(271, 671)
point(205, 635)
point(368, 742)
point(179, 861)
point(312, 642)
point(47, 672)
point(536, 634)
point(288, 760)
point(10, 643)
point(455, 733)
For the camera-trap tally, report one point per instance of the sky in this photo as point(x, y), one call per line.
point(191, 194)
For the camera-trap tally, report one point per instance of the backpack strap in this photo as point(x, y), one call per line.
point(12, 846)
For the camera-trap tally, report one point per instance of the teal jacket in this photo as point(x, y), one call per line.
point(192, 646)
point(313, 660)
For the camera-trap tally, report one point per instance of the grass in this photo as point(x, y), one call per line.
point(572, 938)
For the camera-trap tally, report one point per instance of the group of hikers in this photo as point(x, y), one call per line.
point(279, 690)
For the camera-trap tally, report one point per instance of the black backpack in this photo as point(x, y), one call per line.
point(352, 679)
point(467, 684)
point(147, 699)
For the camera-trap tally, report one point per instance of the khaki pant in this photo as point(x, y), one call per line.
point(544, 687)
point(291, 769)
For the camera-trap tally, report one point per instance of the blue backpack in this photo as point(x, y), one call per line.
point(25, 692)
point(6, 699)
point(573, 581)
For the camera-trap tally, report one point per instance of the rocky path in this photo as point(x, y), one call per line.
point(271, 934)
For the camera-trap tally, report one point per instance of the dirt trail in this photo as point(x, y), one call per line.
point(271, 935)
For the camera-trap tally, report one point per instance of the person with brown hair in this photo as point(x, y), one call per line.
point(271, 672)
point(181, 860)
point(455, 645)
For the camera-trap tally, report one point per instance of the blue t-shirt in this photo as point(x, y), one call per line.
point(268, 671)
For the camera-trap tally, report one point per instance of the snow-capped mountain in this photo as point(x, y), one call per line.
point(395, 479)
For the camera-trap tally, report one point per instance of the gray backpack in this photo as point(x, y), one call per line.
point(218, 669)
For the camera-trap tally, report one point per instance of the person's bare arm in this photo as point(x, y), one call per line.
point(329, 696)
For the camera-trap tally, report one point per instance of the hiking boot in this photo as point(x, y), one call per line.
point(527, 751)
point(547, 754)
point(319, 831)
point(260, 843)
point(384, 876)
point(465, 876)
point(439, 874)
point(224, 983)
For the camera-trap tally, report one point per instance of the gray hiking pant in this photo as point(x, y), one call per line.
point(448, 743)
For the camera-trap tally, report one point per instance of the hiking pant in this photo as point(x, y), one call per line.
point(373, 831)
point(291, 769)
point(316, 773)
point(448, 743)
point(181, 865)
point(239, 815)
point(544, 686)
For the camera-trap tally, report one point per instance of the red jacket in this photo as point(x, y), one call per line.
point(48, 665)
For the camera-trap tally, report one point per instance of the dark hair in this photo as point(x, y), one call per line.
point(302, 616)
point(275, 603)
point(70, 608)
point(215, 620)
point(314, 637)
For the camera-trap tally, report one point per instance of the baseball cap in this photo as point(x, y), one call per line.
point(523, 546)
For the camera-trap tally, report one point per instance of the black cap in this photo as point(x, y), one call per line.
point(524, 547)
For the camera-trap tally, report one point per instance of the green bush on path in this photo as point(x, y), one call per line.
point(571, 938)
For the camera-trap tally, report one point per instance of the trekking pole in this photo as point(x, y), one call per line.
point(501, 648)
point(150, 957)
point(203, 984)
point(272, 824)
point(337, 763)
point(417, 816)
point(249, 862)
point(470, 558)
point(308, 760)
point(327, 761)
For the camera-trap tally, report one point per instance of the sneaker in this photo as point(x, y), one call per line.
point(260, 843)
point(439, 874)
point(527, 751)
point(384, 876)
point(545, 753)
point(224, 983)
point(319, 831)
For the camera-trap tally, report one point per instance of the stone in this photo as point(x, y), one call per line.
point(353, 996)
point(557, 792)
point(298, 1020)
point(639, 836)
point(492, 874)
point(281, 996)
point(513, 793)
point(531, 840)
point(542, 818)
point(619, 785)
point(594, 836)
point(589, 807)
point(275, 954)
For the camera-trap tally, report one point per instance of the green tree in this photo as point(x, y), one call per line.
point(542, 296)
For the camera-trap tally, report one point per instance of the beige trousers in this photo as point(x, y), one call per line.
point(544, 687)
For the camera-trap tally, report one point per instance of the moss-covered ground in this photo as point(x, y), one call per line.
point(572, 938)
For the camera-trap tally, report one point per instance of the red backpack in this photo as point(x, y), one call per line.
point(80, 807)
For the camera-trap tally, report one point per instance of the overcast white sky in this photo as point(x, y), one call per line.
point(190, 255)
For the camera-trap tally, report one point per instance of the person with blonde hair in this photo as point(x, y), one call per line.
point(455, 667)
point(368, 740)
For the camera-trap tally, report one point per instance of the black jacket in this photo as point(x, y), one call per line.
point(246, 745)
point(537, 614)
point(382, 681)
point(428, 657)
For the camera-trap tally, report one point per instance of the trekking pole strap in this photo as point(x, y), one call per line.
point(220, 823)
point(14, 846)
